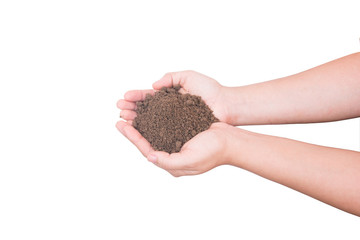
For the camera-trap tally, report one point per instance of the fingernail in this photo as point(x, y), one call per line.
point(152, 158)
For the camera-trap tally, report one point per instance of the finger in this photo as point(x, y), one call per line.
point(137, 95)
point(135, 137)
point(174, 161)
point(175, 173)
point(177, 164)
point(127, 114)
point(171, 79)
point(126, 105)
point(180, 173)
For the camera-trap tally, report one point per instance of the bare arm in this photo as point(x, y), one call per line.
point(328, 174)
point(328, 92)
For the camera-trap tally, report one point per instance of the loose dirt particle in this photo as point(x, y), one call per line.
point(168, 119)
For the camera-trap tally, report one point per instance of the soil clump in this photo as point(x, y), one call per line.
point(168, 119)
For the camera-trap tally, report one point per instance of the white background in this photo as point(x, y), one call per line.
point(66, 172)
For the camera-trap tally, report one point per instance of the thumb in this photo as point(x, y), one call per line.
point(169, 80)
point(165, 160)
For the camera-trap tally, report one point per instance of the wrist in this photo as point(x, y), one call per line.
point(240, 143)
point(234, 105)
point(226, 136)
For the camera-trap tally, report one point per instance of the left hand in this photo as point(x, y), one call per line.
point(202, 153)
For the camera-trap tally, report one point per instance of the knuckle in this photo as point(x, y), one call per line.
point(169, 74)
point(189, 71)
point(174, 174)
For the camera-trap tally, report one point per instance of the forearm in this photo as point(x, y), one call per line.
point(327, 174)
point(328, 92)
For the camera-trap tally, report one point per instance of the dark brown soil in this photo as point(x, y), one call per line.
point(168, 119)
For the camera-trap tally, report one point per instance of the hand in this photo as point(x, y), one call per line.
point(202, 153)
point(198, 84)
point(205, 151)
point(191, 82)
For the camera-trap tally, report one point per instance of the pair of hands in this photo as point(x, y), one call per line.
point(206, 150)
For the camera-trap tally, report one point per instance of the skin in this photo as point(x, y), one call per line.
point(329, 92)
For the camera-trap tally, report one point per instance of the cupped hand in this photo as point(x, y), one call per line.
point(205, 151)
point(191, 82)
point(198, 84)
point(128, 104)
point(202, 153)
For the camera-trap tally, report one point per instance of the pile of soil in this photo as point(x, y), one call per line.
point(168, 119)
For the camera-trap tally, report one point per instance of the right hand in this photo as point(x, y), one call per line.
point(191, 82)
point(198, 84)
